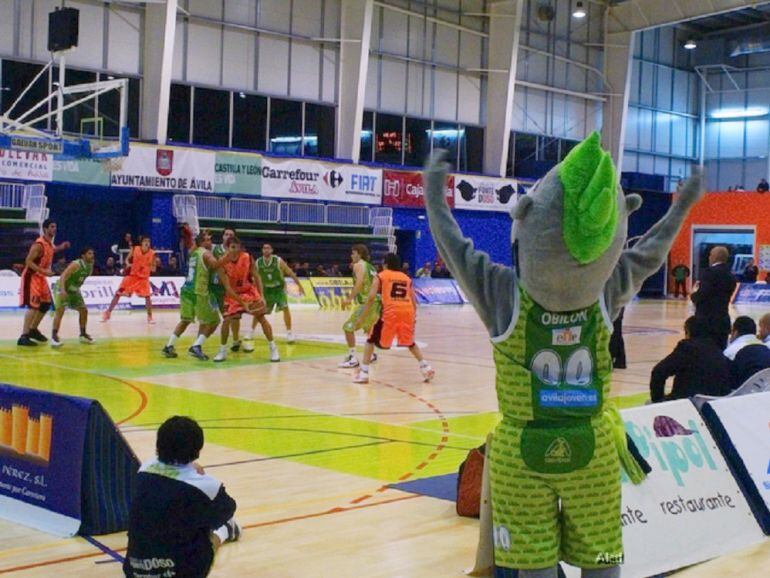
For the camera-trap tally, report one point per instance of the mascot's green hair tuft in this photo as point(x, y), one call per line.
point(590, 200)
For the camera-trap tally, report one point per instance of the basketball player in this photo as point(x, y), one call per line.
point(67, 294)
point(196, 299)
point(140, 265)
point(179, 514)
point(35, 293)
point(399, 311)
point(363, 275)
point(219, 252)
point(272, 270)
point(243, 278)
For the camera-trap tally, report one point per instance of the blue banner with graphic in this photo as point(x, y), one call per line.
point(752, 293)
point(42, 436)
point(436, 291)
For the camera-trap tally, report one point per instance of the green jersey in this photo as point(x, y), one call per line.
point(369, 274)
point(198, 275)
point(270, 272)
point(218, 251)
point(553, 365)
point(77, 278)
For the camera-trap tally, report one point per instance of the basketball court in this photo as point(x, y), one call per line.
point(308, 455)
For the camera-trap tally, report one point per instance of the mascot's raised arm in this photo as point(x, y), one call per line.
point(555, 458)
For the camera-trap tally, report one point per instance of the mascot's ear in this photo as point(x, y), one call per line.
point(522, 208)
point(633, 202)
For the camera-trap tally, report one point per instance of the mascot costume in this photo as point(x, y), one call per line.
point(555, 458)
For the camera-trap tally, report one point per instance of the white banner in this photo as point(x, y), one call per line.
point(689, 509)
point(484, 193)
point(26, 166)
point(316, 181)
point(167, 169)
point(99, 291)
point(746, 419)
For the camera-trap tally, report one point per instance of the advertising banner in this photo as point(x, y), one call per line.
point(404, 189)
point(744, 425)
point(690, 508)
point(166, 169)
point(484, 193)
point(98, 291)
point(315, 181)
point(752, 293)
point(81, 172)
point(436, 291)
point(237, 173)
point(764, 257)
point(42, 438)
point(330, 291)
point(25, 165)
point(295, 297)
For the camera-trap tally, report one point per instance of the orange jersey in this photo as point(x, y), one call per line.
point(397, 294)
point(141, 263)
point(45, 259)
point(34, 286)
point(239, 272)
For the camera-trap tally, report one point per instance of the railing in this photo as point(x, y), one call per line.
point(303, 213)
point(258, 210)
point(347, 215)
point(16, 196)
point(213, 208)
point(190, 208)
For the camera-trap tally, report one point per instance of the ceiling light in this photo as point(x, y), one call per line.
point(690, 44)
point(242, 94)
point(580, 11)
point(740, 112)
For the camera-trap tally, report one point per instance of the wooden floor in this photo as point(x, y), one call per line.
point(313, 498)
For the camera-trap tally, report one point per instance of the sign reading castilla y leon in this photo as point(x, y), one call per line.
point(238, 173)
point(168, 169)
point(690, 508)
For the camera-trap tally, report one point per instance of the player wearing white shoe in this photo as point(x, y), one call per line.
point(243, 278)
point(364, 274)
point(66, 294)
point(273, 270)
point(399, 313)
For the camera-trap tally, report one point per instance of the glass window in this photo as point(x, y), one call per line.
point(285, 126)
point(211, 117)
point(179, 114)
point(15, 77)
point(566, 146)
point(109, 108)
point(319, 131)
point(367, 137)
point(388, 143)
point(549, 148)
point(524, 152)
point(249, 121)
point(471, 149)
point(447, 135)
point(416, 142)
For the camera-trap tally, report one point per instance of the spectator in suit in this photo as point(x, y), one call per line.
point(696, 364)
point(712, 298)
point(748, 354)
point(764, 329)
point(109, 268)
point(751, 272)
point(763, 186)
point(680, 273)
point(617, 345)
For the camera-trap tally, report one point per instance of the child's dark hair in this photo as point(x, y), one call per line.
point(392, 262)
point(180, 440)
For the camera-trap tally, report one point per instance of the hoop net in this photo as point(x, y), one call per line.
point(112, 164)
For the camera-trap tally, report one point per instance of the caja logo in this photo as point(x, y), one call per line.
point(392, 188)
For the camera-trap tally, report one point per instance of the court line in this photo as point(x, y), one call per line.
point(142, 394)
point(110, 552)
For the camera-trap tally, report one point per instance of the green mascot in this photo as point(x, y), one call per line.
point(555, 458)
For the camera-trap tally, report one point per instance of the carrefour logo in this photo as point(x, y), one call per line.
point(333, 179)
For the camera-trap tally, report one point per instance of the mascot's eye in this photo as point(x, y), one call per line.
point(547, 367)
point(580, 368)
